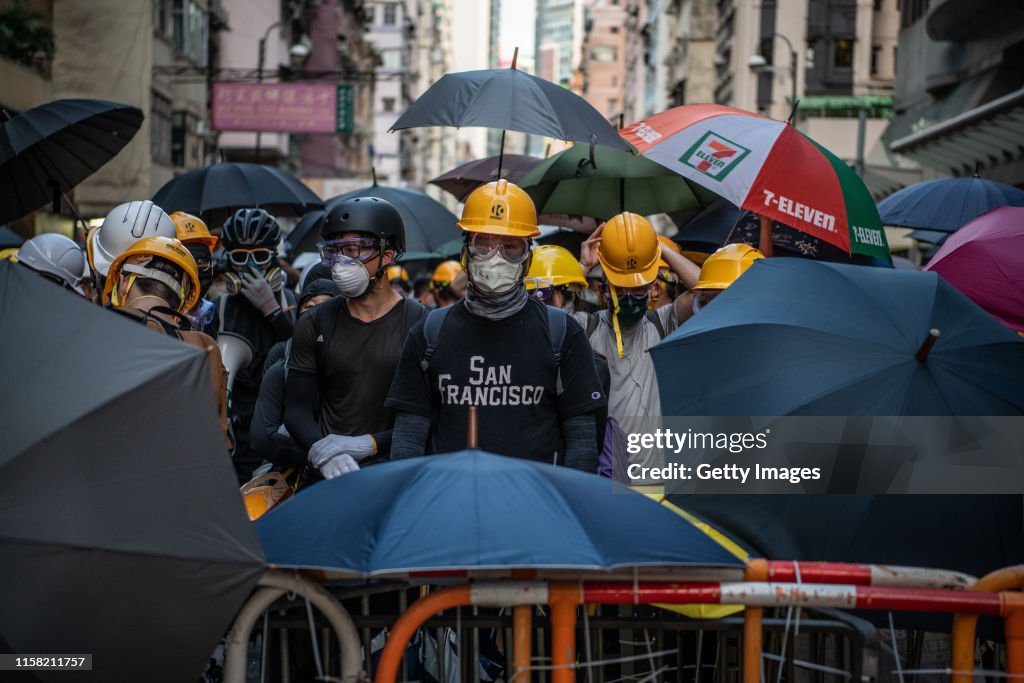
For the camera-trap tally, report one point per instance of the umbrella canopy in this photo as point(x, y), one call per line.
point(722, 223)
point(509, 99)
point(476, 511)
point(428, 224)
point(122, 531)
point(306, 233)
point(217, 191)
point(929, 236)
point(49, 149)
point(946, 204)
point(602, 182)
point(806, 337)
point(462, 180)
point(985, 260)
point(768, 167)
point(9, 239)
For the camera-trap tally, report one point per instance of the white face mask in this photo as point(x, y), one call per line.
point(351, 279)
point(494, 274)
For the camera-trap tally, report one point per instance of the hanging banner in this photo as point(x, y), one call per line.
point(275, 107)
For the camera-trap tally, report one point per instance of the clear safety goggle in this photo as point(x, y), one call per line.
point(703, 297)
point(642, 290)
point(260, 256)
point(348, 250)
point(513, 249)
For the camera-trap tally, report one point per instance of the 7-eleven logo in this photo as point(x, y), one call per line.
point(714, 156)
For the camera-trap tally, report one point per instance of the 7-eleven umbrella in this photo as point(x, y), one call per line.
point(765, 166)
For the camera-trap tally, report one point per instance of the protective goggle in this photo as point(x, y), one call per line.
point(348, 250)
point(703, 297)
point(259, 257)
point(513, 249)
point(544, 295)
point(642, 290)
point(205, 264)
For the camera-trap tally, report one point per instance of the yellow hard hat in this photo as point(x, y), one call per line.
point(396, 272)
point(192, 229)
point(723, 267)
point(554, 266)
point(446, 273)
point(666, 242)
point(629, 251)
point(500, 208)
point(136, 258)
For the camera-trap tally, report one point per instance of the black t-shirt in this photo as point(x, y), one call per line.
point(507, 369)
point(358, 366)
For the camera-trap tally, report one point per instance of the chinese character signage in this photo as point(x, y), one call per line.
point(277, 107)
point(346, 106)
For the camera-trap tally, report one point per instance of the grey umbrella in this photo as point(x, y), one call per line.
point(122, 531)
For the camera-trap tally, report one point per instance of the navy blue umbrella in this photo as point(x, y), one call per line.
point(800, 337)
point(944, 205)
point(476, 511)
point(428, 224)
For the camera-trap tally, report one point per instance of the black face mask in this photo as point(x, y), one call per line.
point(632, 308)
point(201, 253)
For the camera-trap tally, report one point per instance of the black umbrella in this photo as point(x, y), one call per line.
point(428, 224)
point(217, 191)
point(510, 99)
point(9, 239)
point(121, 530)
point(462, 180)
point(306, 233)
point(49, 149)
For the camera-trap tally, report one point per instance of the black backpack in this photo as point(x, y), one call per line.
point(557, 322)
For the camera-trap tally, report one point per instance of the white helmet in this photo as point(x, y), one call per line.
point(123, 226)
point(55, 255)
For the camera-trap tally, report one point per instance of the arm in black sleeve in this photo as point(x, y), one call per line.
point(300, 408)
point(580, 439)
point(409, 437)
point(267, 440)
point(383, 441)
point(282, 325)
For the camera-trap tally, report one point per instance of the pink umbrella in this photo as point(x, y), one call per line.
point(985, 260)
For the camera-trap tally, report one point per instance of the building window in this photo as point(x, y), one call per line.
point(391, 59)
point(189, 25)
point(612, 103)
point(161, 25)
point(369, 13)
point(187, 148)
point(389, 15)
point(876, 51)
point(878, 5)
point(604, 53)
point(615, 29)
point(388, 103)
point(843, 57)
point(160, 126)
point(894, 62)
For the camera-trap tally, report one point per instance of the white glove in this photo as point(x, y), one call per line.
point(339, 465)
point(258, 292)
point(332, 445)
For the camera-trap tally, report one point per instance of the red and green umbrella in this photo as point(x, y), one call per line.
point(768, 167)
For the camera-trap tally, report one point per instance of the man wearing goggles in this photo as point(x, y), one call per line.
point(526, 368)
point(256, 308)
point(344, 353)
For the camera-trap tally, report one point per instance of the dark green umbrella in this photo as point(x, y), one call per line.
point(597, 181)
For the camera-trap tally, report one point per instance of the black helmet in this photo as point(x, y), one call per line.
point(249, 228)
point(371, 215)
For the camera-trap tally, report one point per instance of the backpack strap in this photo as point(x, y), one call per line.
point(431, 332)
point(557, 324)
point(592, 322)
point(412, 313)
point(656, 320)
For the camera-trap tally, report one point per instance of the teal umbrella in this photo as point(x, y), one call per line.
point(590, 180)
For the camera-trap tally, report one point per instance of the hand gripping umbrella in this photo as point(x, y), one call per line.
point(767, 167)
point(47, 150)
point(509, 99)
point(121, 530)
point(217, 191)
